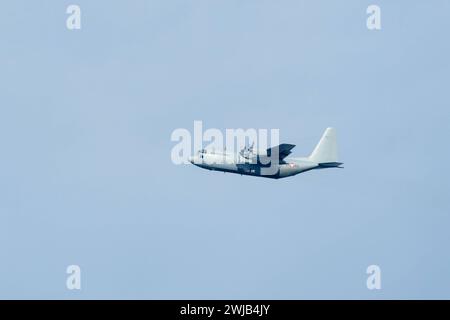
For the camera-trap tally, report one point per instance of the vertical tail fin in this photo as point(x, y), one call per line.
point(326, 149)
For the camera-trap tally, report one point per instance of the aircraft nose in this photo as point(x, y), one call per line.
point(191, 159)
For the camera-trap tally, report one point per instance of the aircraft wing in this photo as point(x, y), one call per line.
point(283, 150)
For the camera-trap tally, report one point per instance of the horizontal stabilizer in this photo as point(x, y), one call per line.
point(331, 165)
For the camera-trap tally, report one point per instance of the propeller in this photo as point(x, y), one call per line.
point(247, 151)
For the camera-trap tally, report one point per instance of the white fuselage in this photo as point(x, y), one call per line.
point(235, 163)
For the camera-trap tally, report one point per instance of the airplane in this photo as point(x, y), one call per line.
point(266, 164)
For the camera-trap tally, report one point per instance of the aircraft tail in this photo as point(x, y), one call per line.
point(325, 153)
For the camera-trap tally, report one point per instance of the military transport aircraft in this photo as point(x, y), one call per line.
point(273, 162)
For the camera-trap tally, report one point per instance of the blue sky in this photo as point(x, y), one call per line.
point(86, 176)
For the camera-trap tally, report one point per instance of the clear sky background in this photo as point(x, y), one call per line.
point(86, 176)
